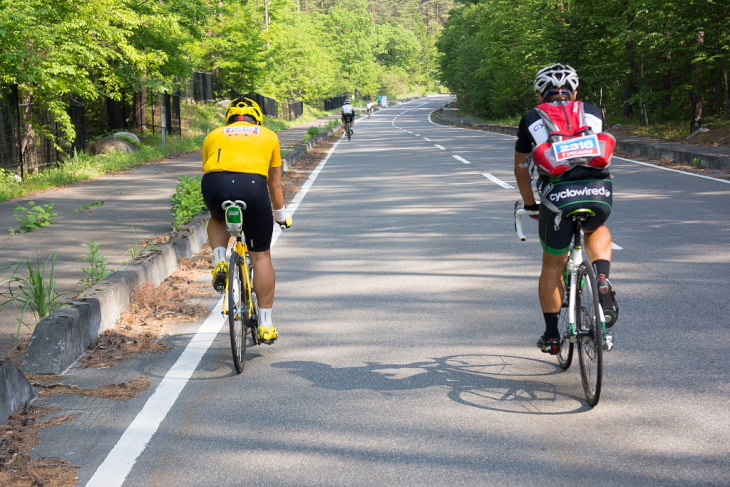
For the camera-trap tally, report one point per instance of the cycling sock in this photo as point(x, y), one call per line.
point(219, 254)
point(265, 317)
point(602, 266)
point(551, 325)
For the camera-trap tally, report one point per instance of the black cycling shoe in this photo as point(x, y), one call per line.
point(549, 345)
point(607, 297)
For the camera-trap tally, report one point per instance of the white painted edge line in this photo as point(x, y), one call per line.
point(440, 146)
point(498, 181)
point(121, 459)
point(459, 158)
point(673, 170)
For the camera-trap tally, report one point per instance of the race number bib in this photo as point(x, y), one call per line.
point(586, 146)
point(245, 130)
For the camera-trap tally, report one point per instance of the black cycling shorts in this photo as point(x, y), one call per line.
point(258, 222)
point(348, 117)
point(566, 196)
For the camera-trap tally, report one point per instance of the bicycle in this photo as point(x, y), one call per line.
point(240, 303)
point(581, 320)
point(348, 129)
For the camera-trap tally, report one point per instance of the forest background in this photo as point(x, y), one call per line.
point(643, 61)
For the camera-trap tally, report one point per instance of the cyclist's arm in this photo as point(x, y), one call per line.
point(275, 192)
point(522, 176)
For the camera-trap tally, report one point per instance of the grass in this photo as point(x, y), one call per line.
point(33, 286)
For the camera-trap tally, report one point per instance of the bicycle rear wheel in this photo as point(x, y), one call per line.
point(237, 311)
point(565, 349)
point(590, 338)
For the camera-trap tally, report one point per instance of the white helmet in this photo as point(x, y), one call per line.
point(556, 76)
point(347, 101)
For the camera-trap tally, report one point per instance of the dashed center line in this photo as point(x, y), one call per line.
point(498, 181)
point(459, 158)
point(440, 147)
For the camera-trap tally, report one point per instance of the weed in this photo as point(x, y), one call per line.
point(312, 133)
point(187, 201)
point(697, 162)
point(89, 205)
point(135, 251)
point(35, 216)
point(29, 286)
point(96, 270)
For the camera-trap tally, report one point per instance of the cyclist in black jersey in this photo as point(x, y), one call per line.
point(556, 84)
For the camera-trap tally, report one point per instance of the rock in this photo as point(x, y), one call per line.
point(128, 136)
point(110, 144)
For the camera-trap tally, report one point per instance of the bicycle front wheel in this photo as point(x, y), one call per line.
point(237, 310)
point(590, 337)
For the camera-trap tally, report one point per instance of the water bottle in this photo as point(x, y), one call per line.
point(234, 220)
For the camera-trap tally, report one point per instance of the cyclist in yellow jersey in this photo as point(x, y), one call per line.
point(241, 161)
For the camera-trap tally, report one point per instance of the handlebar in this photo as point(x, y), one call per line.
point(519, 213)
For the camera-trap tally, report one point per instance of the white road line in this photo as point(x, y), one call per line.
point(459, 158)
point(427, 139)
point(417, 135)
point(673, 170)
point(495, 179)
point(440, 146)
point(122, 458)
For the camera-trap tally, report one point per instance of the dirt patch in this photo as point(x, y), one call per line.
point(18, 436)
point(122, 391)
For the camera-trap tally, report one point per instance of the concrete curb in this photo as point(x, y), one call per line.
point(15, 390)
point(293, 156)
point(61, 338)
point(656, 149)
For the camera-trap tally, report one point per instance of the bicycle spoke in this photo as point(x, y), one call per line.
point(236, 311)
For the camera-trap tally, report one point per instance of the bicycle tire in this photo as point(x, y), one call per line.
point(236, 310)
point(565, 349)
point(590, 340)
point(252, 319)
point(349, 133)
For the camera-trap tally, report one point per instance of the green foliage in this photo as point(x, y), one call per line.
point(658, 57)
point(89, 205)
point(35, 216)
point(187, 201)
point(96, 270)
point(312, 132)
point(28, 285)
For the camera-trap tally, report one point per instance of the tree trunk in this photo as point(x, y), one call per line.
point(697, 97)
point(140, 107)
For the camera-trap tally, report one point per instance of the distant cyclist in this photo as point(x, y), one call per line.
point(241, 161)
point(348, 115)
point(557, 85)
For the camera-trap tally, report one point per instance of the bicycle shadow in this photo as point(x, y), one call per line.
point(494, 382)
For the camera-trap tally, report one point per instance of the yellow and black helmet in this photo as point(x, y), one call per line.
point(244, 106)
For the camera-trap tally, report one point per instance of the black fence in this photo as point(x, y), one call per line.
point(291, 110)
point(268, 105)
point(335, 102)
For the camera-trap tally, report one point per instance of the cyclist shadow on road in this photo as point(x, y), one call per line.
point(494, 382)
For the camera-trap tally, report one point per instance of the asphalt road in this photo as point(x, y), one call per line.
point(407, 311)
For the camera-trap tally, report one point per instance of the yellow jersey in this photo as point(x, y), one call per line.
point(241, 147)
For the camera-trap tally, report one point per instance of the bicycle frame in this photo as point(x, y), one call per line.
point(575, 259)
point(240, 248)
